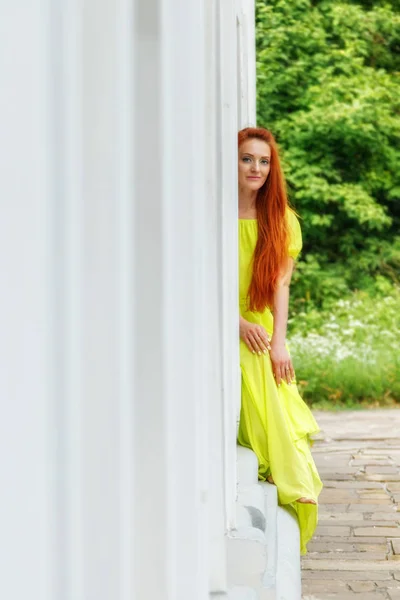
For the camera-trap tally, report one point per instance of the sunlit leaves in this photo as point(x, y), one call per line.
point(329, 88)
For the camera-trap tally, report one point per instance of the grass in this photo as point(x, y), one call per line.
point(349, 357)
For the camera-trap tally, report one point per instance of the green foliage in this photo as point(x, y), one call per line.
point(350, 354)
point(329, 88)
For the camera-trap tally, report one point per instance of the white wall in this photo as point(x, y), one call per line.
point(119, 374)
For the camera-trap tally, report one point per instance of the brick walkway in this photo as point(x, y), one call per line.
point(356, 550)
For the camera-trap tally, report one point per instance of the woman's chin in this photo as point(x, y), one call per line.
point(253, 185)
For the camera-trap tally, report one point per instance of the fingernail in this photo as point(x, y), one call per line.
point(259, 352)
point(265, 352)
point(254, 351)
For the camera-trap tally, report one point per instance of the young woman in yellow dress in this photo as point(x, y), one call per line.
point(275, 422)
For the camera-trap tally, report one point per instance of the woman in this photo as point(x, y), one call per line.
point(275, 422)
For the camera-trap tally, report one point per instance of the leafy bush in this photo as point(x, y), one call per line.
point(350, 354)
point(329, 88)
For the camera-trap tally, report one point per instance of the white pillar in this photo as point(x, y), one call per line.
point(228, 215)
point(28, 428)
point(170, 287)
point(118, 314)
point(246, 63)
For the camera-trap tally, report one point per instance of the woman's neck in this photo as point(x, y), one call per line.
point(247, 203)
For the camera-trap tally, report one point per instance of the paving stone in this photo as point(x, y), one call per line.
point(370, 523)
point(371, 462)
point(327, 516)
point(356, 555)
point(352, 554)
point(361, 507)
point(381, 469)
point(339, 477)
point(331, 530)
point(327, 546)
point(363, 523)
point(339, 470)
point(337, 507)
point(378, 452)
point(325, 498)
point(325, 585)
point(348, 575)
point(379, 531)
point(367, 485)
point(388, 500)
point(393, 486)
point(351, 539)
point(393, 585)
point(381, 516)
point(345, 596)
point(382, 477)
point(354, 565)
point(362, 586)
point(335, 460)
point(340, 496)
point(373, 495)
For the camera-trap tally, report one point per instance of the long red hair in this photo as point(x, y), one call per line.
point(271, 250)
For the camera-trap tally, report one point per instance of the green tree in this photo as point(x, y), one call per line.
point(328, 86)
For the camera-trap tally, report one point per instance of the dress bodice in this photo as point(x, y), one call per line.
point(248, 234)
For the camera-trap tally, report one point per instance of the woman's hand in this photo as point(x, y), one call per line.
point(254, 336)
point(281, 362)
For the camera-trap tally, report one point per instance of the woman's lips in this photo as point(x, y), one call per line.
point(254, 178)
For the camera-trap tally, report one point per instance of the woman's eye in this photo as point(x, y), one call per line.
point(246, 158)
point(265, 162)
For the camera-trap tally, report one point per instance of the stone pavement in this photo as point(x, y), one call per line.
point(356, 550)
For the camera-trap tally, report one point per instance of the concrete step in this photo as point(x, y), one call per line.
point(271, 534)
point(241, 592)
point(288, 569)
point(247, 467)
point(263, 553)
point(246, 593)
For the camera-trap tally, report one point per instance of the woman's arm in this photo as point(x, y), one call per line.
point(281, 361)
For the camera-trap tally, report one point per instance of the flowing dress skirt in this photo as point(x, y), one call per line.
point(277, 424)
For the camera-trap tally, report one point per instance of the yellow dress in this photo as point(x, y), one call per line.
point(275, 422)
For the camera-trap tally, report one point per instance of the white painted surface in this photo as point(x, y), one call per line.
point(119, 355)
point(28, 464)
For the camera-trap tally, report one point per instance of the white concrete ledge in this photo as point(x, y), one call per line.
point(247, 466)
point(264, 551)
point(242, 593)
point(288, 573)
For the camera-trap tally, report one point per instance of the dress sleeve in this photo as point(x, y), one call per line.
point(295, 238)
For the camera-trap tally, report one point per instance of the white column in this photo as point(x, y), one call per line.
point(246, 63)
point(212, 305)
point(170, 285)
point(228, 215)
point(93, 277)
point(119, 352)
point(28, 428)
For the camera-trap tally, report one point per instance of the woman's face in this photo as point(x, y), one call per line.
point(254, 164)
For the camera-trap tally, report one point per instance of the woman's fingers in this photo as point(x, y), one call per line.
point(262, 341)
point(252, 344)
point(284, 372)
point(288, 374)
point(258, 343)
point(277, 373)
point(257, 340)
